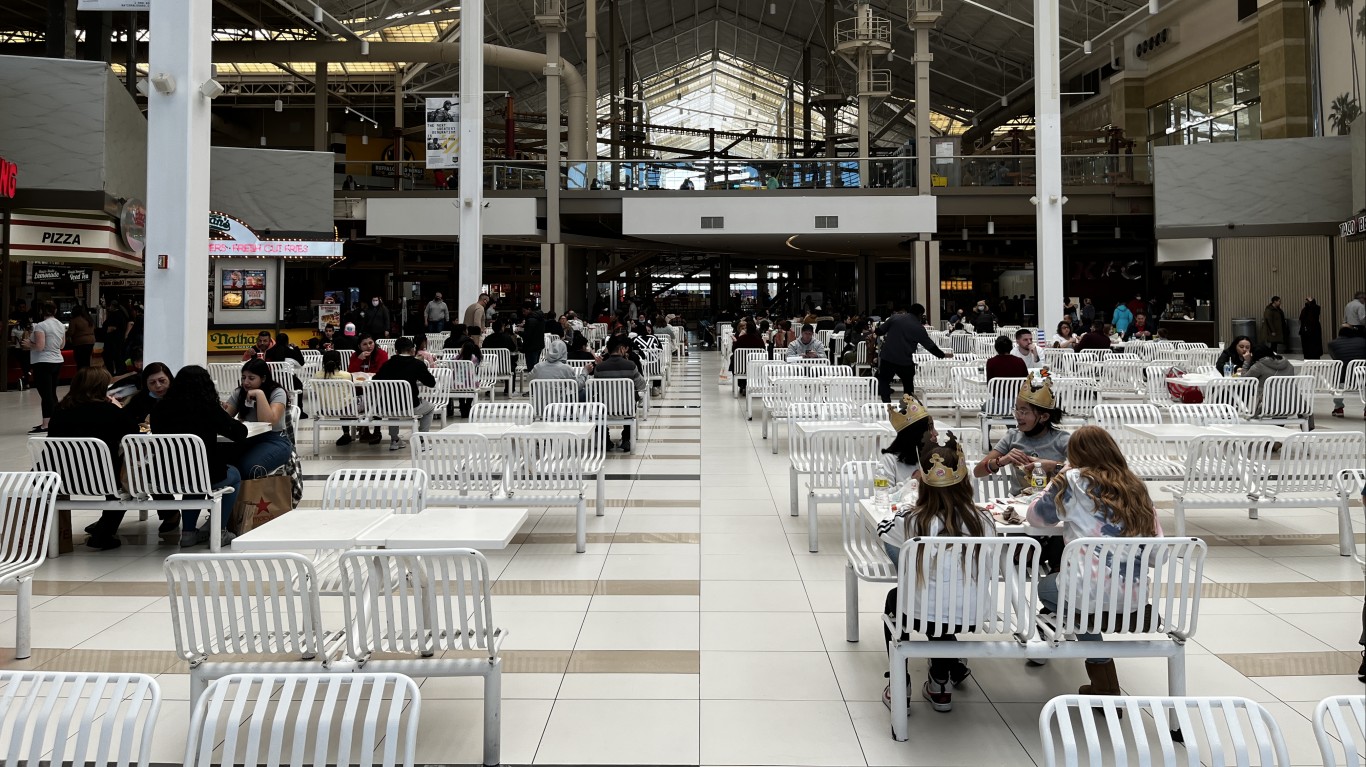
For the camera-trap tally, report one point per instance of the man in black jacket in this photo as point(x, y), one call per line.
point(617, 364)
point(1349, 345)
point(533, 334)
point(902, 333)
point(404, 366)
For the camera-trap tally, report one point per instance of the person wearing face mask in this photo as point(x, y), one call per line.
point(377, 319)
point(437, 314)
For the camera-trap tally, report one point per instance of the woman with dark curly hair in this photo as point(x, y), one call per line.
point(191, 406)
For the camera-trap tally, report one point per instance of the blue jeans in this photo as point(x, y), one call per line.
point(1048, 595)
point(436, 326)
point(233, 478)
point(263, 455)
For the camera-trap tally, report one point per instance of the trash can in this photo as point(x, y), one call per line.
point(1245, 326)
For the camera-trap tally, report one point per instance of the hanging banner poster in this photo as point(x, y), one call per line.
point(443, 132)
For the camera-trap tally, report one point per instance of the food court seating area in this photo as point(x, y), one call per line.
point(722, 606)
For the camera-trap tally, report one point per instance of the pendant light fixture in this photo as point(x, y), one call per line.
point(279, 105)
point(1074, 226)
point(991, 226)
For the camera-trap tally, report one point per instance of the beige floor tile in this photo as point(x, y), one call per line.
point(460, 739)
point(972, 734)
point(753, 596)
point(621, 732)
point(754, 631)
point(1221, 634)
point(639, 630)
point(768, 676)
point(608, 686)
point(763, 732)
point(758, 567)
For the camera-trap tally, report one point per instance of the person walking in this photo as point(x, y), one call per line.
point(80, 332)
point(1273, 324)
point(377, 319)
point(474, 313)
point(1121, 318)
point(115, 330)
point(902, 333)
point(45, 355)
point(1088, 313)
point(1311, 329)
point(1354, 313)
point(437, 314)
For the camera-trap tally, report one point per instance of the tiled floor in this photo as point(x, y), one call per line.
point(697, 629)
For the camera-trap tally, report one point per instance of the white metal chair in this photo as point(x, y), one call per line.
point(312, 356)
point(618, 397)
point(174, 465)
point(1097, 730)
point(460, 468)
point(1121, 379)
point(464, 381)
point(87, 477)
point(851, 390)
point(865, 557)
point(1155, 386)
point(1146, 456)
point(284, 373)
point(544, 392)
point(872, 412)
point(1340, 729)
point(781, 394)
point(1311, 475)
point(520, 413)
point(999, 406)
point(257, 612)
point(822, 460)
point(1286, 400)
point(1241, 393)
point(57, 717)
point(969, 391)
point(291, 719)
point(27, 508)
point(426, 613)
point(1077, 397)
point(861, 364)
point(1205, 414)
point(439, 396)
point(227, 376)
point(739, 371)
point(387, 344)
point(547, 468)
point(500, 360)
point(595, 456)
point(389, 403)
point(1220, 473)
point(402, 490)
point(334, 404)
point(436, 342)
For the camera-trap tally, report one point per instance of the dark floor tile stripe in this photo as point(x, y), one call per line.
point(1292, 663)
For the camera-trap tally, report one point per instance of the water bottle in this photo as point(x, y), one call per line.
point(881, 485)
point(1037, 478)
point(1228, 370)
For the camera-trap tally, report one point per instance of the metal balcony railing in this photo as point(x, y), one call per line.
point(862, 30)
point(924, 11)
point(878, 82)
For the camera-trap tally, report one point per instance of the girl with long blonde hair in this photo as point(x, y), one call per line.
point(1095, 495)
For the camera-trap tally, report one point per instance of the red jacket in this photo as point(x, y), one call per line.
point(376, 361)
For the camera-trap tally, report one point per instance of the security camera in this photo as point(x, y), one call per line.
point(211, 89)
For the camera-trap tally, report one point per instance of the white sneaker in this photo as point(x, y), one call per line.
point(398, 444)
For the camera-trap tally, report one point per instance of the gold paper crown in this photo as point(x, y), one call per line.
point(937, 473)
point(1042, 396)
point(910, 412)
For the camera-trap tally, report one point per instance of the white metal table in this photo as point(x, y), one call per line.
point(872, 515)
point(480, 528)
point(311, 529)
point(807, 428)
point(497, 431)
point(1182, 432)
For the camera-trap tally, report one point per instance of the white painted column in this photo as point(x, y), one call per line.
point(178, 185)
point(471, 263)
point(1048, 160)
point(591, 76)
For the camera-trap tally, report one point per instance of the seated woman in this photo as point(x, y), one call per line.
point(191, 406)
point(86, 411)
point(578, 349)
point(260, 399)
point(943, 508)
point(1064, 338)
point(1235, 357)
point(156, 380)
point(1036, 437)
point(1005, 364)
point(420, 343)
point(1095, 496)
point(746, 337)
point(901, 460)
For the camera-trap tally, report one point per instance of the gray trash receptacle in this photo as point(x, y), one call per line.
point(1245, 326)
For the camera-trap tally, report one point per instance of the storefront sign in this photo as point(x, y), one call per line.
point(241, 340)
point(9, 179)
point(1353, 227)
point(67, 237)
point(54, 273)
point(113, 5)
point(133, 224)
point(234, 239)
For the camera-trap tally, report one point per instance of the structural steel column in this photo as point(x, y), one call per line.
point(552, 136)
point(471, 155)
point(591, 77)
point(1283, 36)
point(178, 184)
point(923, 58)
point(320, 87)
point(1048, 199)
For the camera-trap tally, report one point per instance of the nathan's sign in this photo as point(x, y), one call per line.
point(231, 238)
point(1353, 227)
point(9, 179)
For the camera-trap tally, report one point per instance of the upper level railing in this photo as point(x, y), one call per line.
point(947, 172)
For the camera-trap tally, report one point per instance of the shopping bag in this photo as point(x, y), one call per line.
point(1190, 395)
point(261, 500)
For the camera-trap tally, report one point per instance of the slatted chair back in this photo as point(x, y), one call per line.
point(830, 449)
point(419, 602)
point(545, 463)
point(1186, 346)
point(1340, 729)
point(851, 390)
point(984, 344)
point(784, 391)
point(932, 378)
point(827, 370)
point(387, 344)
point(1130, 586)
point(449, 354)
point(436, 342)
point(1241, 393)
point(1096, 730)
point(1159, 349)
point(520, 413)
point(740, 360)
point(1224, 465)
point(861, 357)
point(972, 441)
point(227, 376)
point(617, 395)
point(544, 392)
point(1113, 417)
point(457, 464)
point(1001, 396)
point(1314, 460)
point(312, 356)
point(1327, 374)
point(501, 359)
point(862, 547)
point(283, 373)
point(464, 374)
point(486, 377)
point(83, 464)
point(1077, 397)
point(1155, 386)
point(1354, 378)
point(1123, 378)
point(872, 412)
point(1002, 484)
point(1201, 356)
point(652, 366)
point(440, 395)
point(584, 412)
point(978, 586)
point(345, 357)
point(244, 604)
point(1287, 399)
point(335, 398)
point(578, 364)
point(1055, 359)
point(27, 505)
point(1205, 414)
point(58, 717)
point(969, 391)
point(389, 399)
point(166, 464)
point(404, 490)
point(963, 343)
point(292, 719)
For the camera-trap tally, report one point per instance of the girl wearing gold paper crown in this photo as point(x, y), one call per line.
point(944, 507)
point(901, 460)
point(1036, 437)
point(1096, 496)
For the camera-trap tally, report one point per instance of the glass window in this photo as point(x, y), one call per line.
point(1248, 84)
point(1199, 104)
point(1221, 95)
point(1223, 128)
point(1178, 111)
point(1198, 134)
point(1249, 123)
point(1159, 119)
